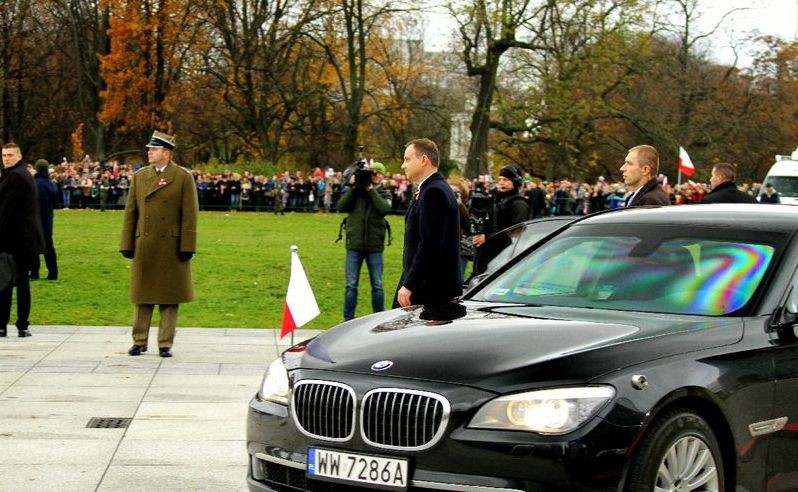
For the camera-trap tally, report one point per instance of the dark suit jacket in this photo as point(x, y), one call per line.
point(727, 192)
point(431, 261)
point(20, 227)
point(47, 200)
point(651, 194)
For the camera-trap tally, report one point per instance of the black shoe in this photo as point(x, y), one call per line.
point(52, 278)
point(24, 333)
point(2, 332)
point(137, 350)
point(164, 352)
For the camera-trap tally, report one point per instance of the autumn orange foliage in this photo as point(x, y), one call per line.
point(149, 41)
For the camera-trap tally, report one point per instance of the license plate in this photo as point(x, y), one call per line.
point(377, 471)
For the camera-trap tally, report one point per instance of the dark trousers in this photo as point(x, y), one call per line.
point(23, 297)
point(49, 261)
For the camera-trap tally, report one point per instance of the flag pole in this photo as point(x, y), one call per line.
point(294, 249)
point(679, 178)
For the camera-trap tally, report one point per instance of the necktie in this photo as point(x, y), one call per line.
point(416, 193)
point(157, 171)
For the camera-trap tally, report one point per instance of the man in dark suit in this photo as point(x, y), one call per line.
point(640, 169)
point(160, 235)
point(723, 188)
point(770, 195)
point(20, 234)
point(431, 260)
point(47, 191)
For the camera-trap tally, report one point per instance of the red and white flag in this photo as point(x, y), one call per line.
point(685, 164)
point(300, 303)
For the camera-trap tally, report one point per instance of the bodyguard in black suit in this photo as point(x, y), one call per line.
point(639, 170)
point(20, 233)
point(431, 260)
point(723, 188)
point(46, 189)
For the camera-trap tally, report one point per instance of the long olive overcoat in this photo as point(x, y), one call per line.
point(160, 221)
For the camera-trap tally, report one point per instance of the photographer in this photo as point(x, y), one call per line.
point(511, 208)
point(367, 203)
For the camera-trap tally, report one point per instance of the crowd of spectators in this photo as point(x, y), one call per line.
point(104, 186)
point(96, 185)
point(565, 197)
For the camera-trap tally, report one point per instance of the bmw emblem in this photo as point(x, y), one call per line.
point(381, 365)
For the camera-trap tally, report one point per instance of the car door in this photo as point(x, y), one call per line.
point(783, 453)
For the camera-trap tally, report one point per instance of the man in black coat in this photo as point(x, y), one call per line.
point(723, 188)
point(47, 191)
point(769, 195)
point(536, 198)
point(640, 169)
point(20, 233)
point(511, 209)
point(431, 260)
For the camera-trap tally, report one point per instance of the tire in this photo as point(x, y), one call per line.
point(679, 453)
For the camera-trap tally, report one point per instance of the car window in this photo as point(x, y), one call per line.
point(702, 276)
point(521, 238)
point(536, 231)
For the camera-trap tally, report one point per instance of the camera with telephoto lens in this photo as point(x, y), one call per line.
point(362, 174)
point(360, 169)
point(480, 213)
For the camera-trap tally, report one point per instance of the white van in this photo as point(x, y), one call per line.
point(783, 175)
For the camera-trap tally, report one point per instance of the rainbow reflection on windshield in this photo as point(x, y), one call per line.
point(701, 276)
point(727, 276)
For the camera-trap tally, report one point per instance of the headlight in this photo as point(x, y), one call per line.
point(275, 383)
point(554, 411)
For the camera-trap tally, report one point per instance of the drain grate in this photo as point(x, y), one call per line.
point(108, 423)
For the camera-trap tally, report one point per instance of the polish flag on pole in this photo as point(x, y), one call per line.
point(685, 164)
point(300, 303)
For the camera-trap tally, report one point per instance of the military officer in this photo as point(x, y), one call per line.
point(160, 235)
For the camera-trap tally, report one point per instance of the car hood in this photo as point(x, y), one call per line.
point(493, 346)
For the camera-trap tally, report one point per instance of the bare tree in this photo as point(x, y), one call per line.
point(15, 27)
point(87, 22)
point(347, 37)
point(255, 58)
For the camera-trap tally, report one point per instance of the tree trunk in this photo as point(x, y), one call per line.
point(477, 160)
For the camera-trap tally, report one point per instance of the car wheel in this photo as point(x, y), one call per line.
point(680, 453)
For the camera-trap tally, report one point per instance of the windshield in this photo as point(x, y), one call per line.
point(702, 276)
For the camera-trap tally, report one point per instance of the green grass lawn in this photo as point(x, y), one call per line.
point(241, 270)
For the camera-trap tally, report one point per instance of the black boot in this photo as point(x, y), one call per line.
point(3, 331)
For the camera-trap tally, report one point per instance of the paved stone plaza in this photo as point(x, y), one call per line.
point(188, 412)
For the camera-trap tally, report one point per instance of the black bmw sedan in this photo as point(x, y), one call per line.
point(640, 349)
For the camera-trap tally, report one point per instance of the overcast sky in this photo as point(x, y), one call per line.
point(774, 17)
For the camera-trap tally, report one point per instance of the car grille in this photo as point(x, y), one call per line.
point(403, 419)
point(324, 409)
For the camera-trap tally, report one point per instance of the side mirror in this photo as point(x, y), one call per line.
point(476, 279)
point(791, 307)
point(786, 317)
